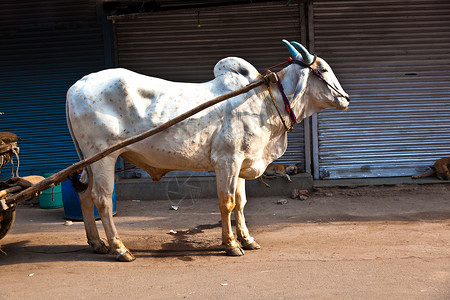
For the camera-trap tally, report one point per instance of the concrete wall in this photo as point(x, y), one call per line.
point(177, 188)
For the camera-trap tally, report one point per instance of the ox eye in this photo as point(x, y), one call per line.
point(323, 70)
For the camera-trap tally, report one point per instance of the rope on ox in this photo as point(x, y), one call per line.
point(273, 78)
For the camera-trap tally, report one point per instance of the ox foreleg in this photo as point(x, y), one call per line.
point(226, 189)
point(243, 235)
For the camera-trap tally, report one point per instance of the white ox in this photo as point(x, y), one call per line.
point(237, 138)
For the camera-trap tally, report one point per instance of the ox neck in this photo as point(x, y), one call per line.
point(284, 93)
point(288, 78)
point(295, 81)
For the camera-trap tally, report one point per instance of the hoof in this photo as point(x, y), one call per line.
point(252, 246)
point(234, 251)
point(100, 248)
point(126, 257)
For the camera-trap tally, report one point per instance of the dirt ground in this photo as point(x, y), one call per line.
point(385, 242)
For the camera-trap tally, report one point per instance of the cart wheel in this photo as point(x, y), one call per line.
point(7, 218)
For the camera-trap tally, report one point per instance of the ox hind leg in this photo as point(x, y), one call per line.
point(101, 188)
point(87, 208)
point(226, 190)
point(243, 235)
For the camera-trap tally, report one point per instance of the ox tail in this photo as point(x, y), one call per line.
point(77, 184)
point(75, 178)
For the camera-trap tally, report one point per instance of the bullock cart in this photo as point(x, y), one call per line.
point(17, 189)
point(8, 148)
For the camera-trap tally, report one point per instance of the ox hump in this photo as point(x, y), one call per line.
point(236, 65)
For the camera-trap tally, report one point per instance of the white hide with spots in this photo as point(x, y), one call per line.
point(237, 138)
point(117, 104)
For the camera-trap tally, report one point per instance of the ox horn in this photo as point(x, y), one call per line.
point(307, 57)
point(291, 49)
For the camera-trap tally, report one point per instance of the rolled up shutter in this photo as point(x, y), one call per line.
point(393, 58)
point(46, 46)
point(185, 45)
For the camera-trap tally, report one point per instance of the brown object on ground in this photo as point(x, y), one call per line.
point(440, 169)
point(361, 243)
point(274, 170)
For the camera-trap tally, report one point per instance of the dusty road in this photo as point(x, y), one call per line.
point(363, 243)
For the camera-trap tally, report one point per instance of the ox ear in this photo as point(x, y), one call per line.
point(294, 53)
point(308, 58)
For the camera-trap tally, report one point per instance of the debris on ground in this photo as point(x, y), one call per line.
point(282, 201)
point(68, 223)
point(174, 207)
point(304, 194)
point(300, 194)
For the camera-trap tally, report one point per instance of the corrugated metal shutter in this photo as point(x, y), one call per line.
point(46, 46)
point(170, 45)
point(393, 58)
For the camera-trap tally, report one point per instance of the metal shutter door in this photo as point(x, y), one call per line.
point(46, 47)
point(393, 58)
point(170, 45)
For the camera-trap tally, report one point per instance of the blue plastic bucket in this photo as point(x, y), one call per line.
point(71, 201)
point(52, 197)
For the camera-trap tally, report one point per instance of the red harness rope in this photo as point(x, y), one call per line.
point(287, 62)
point(287, 104)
